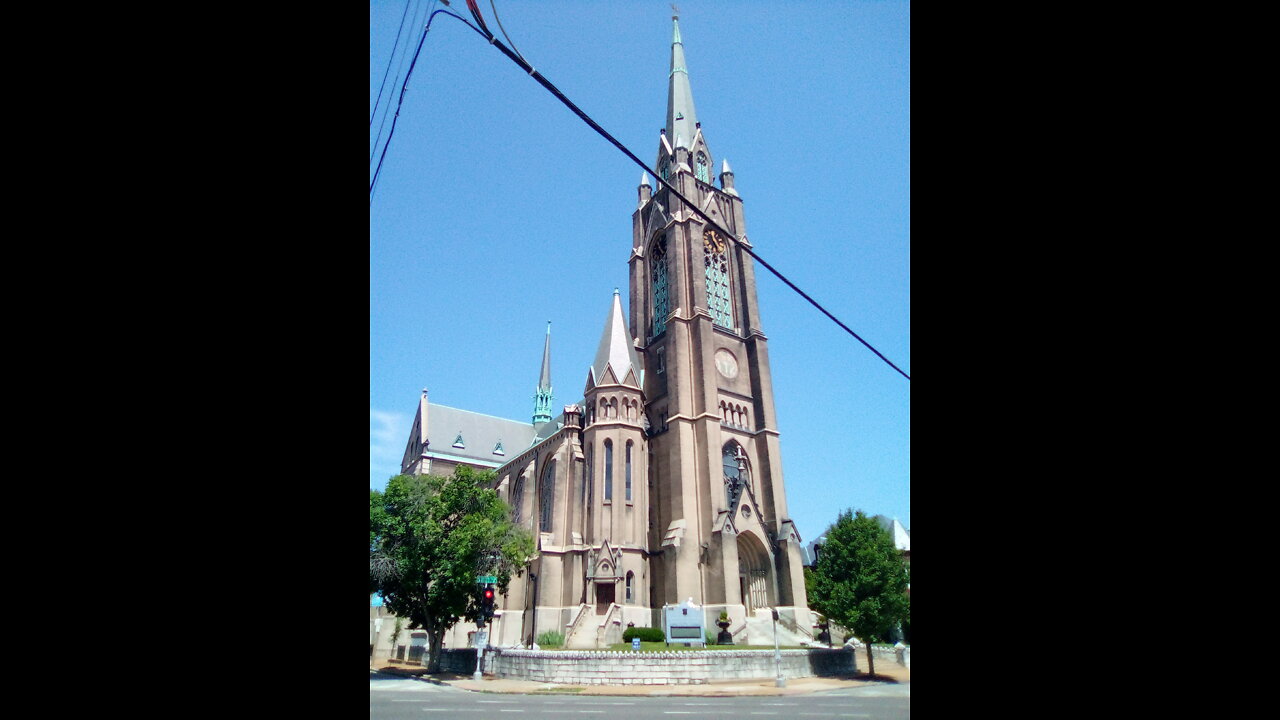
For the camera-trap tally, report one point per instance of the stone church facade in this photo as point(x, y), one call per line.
point(664, 482)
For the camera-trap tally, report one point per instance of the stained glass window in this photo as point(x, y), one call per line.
point(517, 498)
point(547, 493)
point(608, 470)
point(665, 169)
point(628, 471)
point(735, 479)
point(704, 174)
point(661, 296)
point(717, 267)
point(588, 478)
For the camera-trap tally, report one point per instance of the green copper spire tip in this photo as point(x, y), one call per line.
point(675, 38)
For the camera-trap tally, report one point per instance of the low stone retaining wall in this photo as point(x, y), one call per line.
point(694, 667)
point(460, 660)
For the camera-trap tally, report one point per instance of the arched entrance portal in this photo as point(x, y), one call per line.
point(753, 573)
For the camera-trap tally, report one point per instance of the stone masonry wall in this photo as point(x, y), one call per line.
point(661, 668)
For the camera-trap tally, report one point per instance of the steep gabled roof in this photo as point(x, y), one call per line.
point(617, 351)
point(901, 539)
point(480, 436)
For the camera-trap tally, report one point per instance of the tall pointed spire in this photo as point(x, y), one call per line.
point(682, 121)
point(542, 396)
point(617, 352)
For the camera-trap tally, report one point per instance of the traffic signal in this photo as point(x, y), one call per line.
point(486, 603)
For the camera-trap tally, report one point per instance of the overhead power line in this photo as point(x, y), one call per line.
point(414, 21)
point(385, 73)
point(528, 68)
point(404, 87)
point(524, 65)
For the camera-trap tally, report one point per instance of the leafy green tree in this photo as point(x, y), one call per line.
point(860, 579)
point(429, 537)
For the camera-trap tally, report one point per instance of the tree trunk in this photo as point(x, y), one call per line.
point(437, 639)
point(871, 663)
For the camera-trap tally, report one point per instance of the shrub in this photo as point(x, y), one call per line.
point(710, 636)
point(550, 639)
point(646, 634)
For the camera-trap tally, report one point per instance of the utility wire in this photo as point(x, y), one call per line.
point(387, 72)
point(383, 125)
point(524, 65)
point(504, 30)
point(405, 87)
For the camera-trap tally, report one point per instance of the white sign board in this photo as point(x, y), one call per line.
point(684, 624)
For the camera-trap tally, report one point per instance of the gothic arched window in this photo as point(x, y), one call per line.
point(628, 471)
point(716, 261)
point(517, 498)
point(588, 477)
point(661, 296)
point(547, 497)
point(735, 478)
point(631, 587)
point(665, 169)
point(608, 470)
point(704, 174)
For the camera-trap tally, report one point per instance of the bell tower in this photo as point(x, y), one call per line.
point(719, 527)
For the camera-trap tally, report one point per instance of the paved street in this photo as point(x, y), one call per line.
point(400, 698)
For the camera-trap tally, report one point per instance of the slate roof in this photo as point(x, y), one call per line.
point(616, 350)
point(901, 538)
point(480, 435)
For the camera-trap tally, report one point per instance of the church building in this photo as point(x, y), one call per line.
point(664, 482)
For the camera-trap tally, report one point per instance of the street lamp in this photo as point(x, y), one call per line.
point(777, 654)
point(533, 634)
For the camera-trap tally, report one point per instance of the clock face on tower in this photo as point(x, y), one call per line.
point(713, 243)
point(726, 363)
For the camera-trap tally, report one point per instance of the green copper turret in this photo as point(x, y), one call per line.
point(542, 396)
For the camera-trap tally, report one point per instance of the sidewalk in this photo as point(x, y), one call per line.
point(888, 672)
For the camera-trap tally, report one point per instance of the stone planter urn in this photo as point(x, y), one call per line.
point(724, 638)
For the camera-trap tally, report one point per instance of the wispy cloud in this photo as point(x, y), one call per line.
point(388, 433)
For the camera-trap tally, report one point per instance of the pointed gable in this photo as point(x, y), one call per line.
point(658, 218)
point(901, 538)
point(616, 355)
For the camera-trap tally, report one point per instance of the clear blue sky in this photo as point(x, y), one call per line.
point(498, 210)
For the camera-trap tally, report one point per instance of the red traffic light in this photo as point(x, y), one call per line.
point(488, 593)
